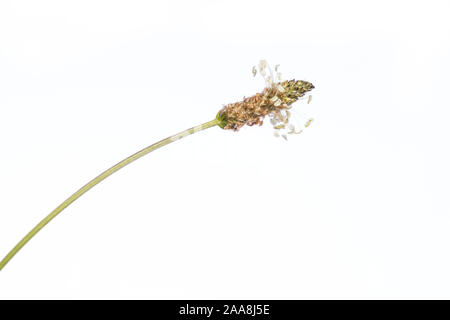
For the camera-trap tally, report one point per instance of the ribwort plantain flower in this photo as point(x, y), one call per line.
point(275, 101)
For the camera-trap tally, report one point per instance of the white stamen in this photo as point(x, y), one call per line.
point(262, 67)
point(310, 120)
point(281, 89)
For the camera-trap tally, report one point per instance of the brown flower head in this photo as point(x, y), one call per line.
point(274, 101)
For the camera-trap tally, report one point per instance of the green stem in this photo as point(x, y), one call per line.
point(98, 179)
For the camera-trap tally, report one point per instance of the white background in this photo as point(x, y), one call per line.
point(357, 206)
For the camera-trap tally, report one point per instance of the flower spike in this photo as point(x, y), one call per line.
point(274, 101)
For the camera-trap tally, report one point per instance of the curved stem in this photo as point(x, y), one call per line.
point(98, 179)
